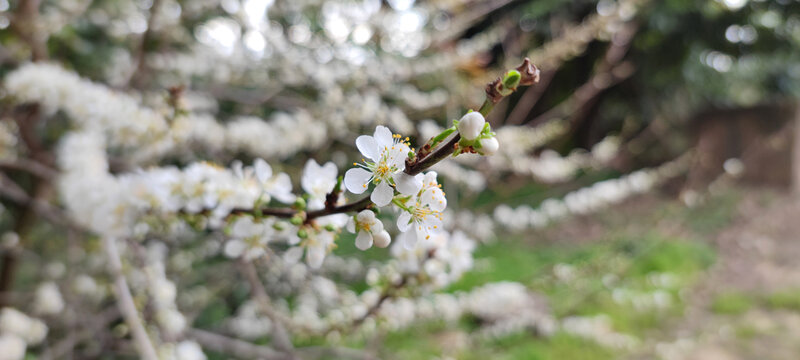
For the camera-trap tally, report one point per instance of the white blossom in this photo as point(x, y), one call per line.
point(388, 154)
point(316, 246)
point(12, 321)
point(423, 212)
point(248, 238)
point(318, 181)
point(279, 186)
point(368, 227)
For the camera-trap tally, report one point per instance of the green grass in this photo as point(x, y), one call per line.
point(633, 255)
point(787, 299)
point(525, 346)
point(714, 214)
point(733, 303)
point(746, 332)
point(422, 343)
point(633, 259)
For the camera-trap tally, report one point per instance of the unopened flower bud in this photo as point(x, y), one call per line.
point(471, 125)
point(511, 80)
point(300, 203)
point(302, 233)
point(489, 146)
point(296, 220)
point(382, 239)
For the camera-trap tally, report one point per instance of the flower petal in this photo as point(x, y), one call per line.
point(316, 203)
point(383, 137)
point(363, 240)
point(336, 220)
point(377, 226)
point(434, 197)
point(404, 221)
point(310, 173)
point(234, 248)
point(314, 256)
point(408, 184)
point(237, 168)
point(432, 223)
point(369, 147)
point(329, 171)
point(382, 195)
point(281, 189)
point(410, 241)
point(356, 180)
point(351, 225)
point(422, 233)
point(263, 170)
point(293, 254)
point(366, 216)
point(397, 156)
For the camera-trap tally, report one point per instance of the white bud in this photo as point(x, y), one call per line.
point(382, 239)
point(489, 146)
point(471, 125)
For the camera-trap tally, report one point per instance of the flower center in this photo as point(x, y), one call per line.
point(382, 170)
point(419, 213)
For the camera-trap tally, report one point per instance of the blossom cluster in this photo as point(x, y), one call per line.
point(288, 88)
point(253, 208)
point(147, 131)
point(17, 331)
point(589, 199)
point(91, 192)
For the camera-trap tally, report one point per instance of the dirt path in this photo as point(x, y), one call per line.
point(758, 257)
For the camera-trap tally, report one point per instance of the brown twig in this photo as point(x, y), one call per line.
point(235, 347)
point(286, 213)
point(30, 166)
point(27, 117)
point(139, 75)
point(441, 152)
point(64, 347)
point(10, 190)
point(477, 12)
point(279, 322)
point(25, 23)
point(529, 99)
point(387, 294)
point(246, 350)
point(610, 71)
point(125, 302)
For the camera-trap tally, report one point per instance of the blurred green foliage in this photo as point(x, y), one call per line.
point(732, 303)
